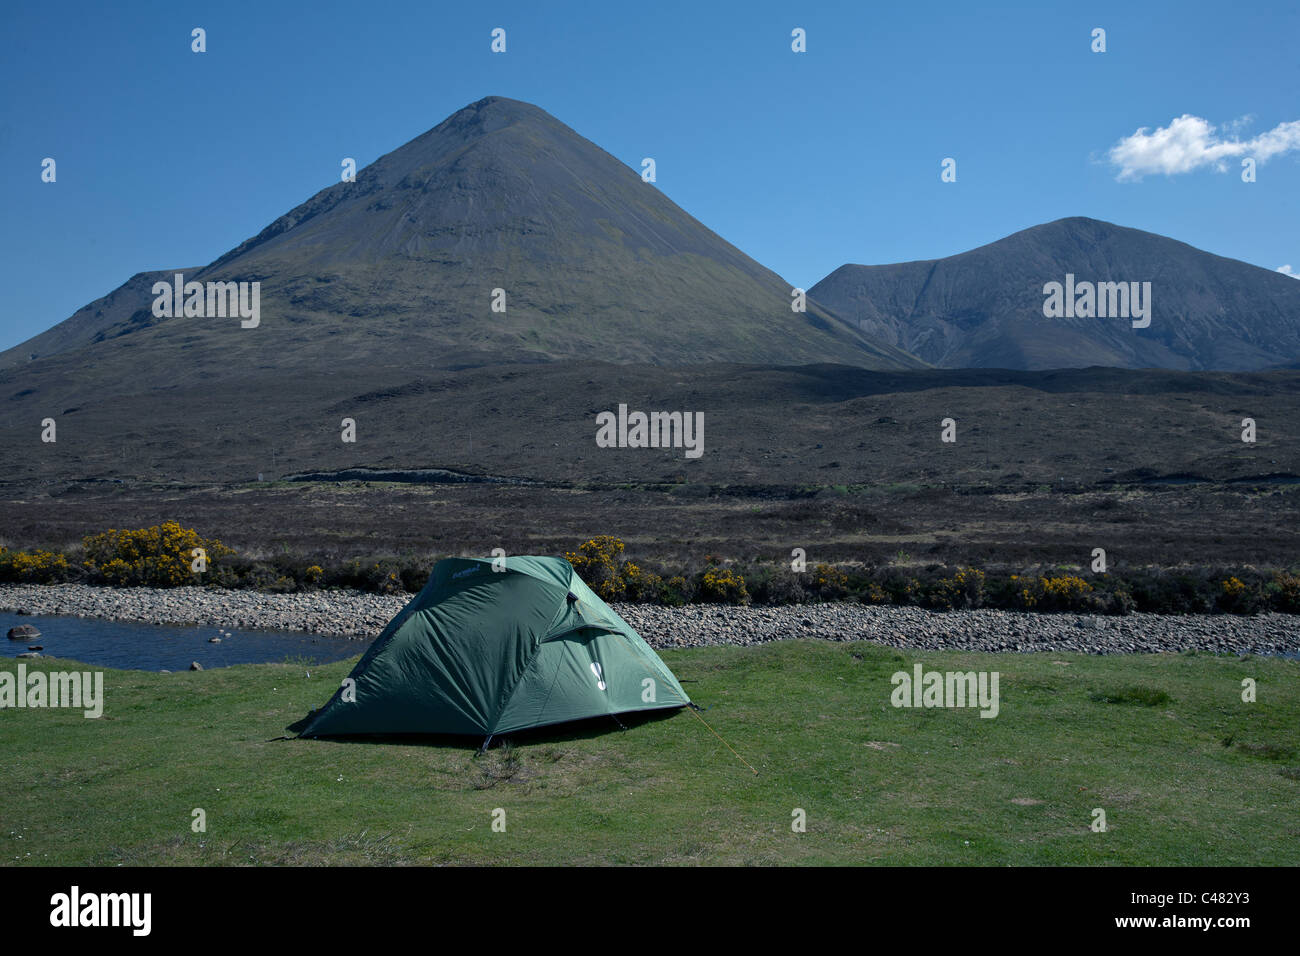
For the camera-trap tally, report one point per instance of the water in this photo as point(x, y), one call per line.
point(419, 476)
point(127, 645)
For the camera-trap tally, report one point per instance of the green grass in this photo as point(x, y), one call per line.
point(1186, 772)
point(1142, 696)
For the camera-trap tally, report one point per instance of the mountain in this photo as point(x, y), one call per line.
point(105, 317)
point(400, 266)
point(984, 308)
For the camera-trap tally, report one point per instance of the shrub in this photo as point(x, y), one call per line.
point(383, 576)
point(723, 586)
point(35, 567)
point(414, 573)
point(357, 575)
point(1065, 592)
point(1236, 597)
point(1161, 592)
point(678, 590)
point(1284, 592)
point(828, 583)
point(160, 556)
point(639, 584)
point(1118, 602)
point(965, 589)
point(252, 575)
point(779, 585)
point(900, 588)
point(597, 563)
point(873, 593)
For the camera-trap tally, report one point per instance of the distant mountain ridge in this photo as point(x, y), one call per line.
point(503, 202)
point(984, 308)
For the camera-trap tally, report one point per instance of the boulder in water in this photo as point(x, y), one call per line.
point(23, 632)
point(196, 666)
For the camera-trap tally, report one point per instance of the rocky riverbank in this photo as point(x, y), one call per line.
point(345, 613)
point(983, 630)
point(363, 616)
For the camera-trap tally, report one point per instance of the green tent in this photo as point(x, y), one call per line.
point(493, 647)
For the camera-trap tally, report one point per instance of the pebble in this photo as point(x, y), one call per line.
point(362, 615)
point(981, 630)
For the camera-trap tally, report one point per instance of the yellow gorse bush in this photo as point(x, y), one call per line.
point(34, 567)
point(639, 584)
point(160, 556)
point(1233, 587)
point(725, 585)
point(1063, 592)
point(829, 581)
point(1067, 586)
point(597, 563)
point(964, 589)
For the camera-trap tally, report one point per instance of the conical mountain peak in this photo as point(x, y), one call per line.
point(492, 113)
point(500, 235)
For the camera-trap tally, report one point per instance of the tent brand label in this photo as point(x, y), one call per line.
point(953, 689)
point(1101, 300)
point(71, 689)
point(74, 908)
point(464, 573)
point(216, 300)
point(651, 430)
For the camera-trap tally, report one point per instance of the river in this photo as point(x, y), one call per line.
point(128, 645)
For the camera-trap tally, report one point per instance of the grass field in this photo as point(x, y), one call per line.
point(1186, 772)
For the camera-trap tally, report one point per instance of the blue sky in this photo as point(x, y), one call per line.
point(168, 158)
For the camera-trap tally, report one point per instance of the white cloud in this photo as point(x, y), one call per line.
point(1286, 270)
point(1189, 143)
